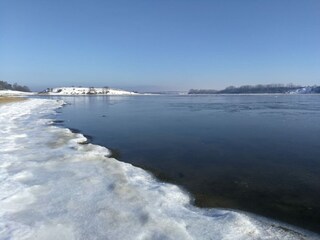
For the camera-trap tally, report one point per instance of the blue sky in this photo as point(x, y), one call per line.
point(159, 44)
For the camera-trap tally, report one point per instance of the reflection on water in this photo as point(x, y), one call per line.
point(255, 153)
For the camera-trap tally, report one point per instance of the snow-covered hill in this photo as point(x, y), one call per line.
point(86, 91)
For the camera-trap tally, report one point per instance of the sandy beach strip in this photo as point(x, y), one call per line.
point(10, 99)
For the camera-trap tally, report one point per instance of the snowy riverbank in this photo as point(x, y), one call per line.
point(53, 187)
point(9, 93)
point(86, 91)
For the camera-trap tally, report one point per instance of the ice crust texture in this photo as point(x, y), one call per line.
point(52, 187)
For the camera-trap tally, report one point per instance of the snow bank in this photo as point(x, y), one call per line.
point(52, 187)
point(85, 91)
point(14, 93)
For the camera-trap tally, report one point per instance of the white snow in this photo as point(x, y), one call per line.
point(14, 93)
point(52, 187)
point(304, 90)
point(85, 91)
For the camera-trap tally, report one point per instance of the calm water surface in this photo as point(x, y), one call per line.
point(255, 153)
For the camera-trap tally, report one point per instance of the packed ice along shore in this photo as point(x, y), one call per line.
point(86, 91)
point(54, 186)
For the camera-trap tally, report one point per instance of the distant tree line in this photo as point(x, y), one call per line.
point(316, 89)
point(268, 88)
point(7, 86)
point(203, 91)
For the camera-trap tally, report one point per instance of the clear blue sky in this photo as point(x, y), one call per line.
point(159, 44)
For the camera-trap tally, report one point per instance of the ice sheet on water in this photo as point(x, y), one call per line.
point(52, 187)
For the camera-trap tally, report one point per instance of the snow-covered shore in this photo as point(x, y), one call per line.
point(86, 91)
point(9, 93)
point(52, 187)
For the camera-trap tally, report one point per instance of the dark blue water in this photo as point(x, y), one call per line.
point(255, 153)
